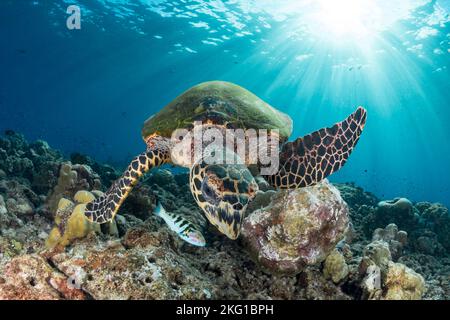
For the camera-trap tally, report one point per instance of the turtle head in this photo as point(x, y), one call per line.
point(223, 194)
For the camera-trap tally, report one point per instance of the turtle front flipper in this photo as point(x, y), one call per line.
point(308, 160)
point(105, 208)
point(223, 191)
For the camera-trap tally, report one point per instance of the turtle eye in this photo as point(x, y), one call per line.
point(209, 192)
point(252, 189)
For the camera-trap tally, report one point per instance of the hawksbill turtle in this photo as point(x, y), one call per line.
point(224, 190)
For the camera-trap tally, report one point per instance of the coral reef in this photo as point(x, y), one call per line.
point(360, 205)
point(323, 247)
point(106, 172)
point(436, 218)
point(72, 178)
point(427, 224)
point(36, 164)
point(399, 211)
point(19, 199)
point(393, 237)
point(383, 279)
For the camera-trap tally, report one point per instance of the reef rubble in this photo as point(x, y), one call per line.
point(330, 241)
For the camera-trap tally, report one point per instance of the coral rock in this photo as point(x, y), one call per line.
point(162, 177)
point(355, 196)
point(335, 267)
point(20, 207)
point(399, 211)
point(109, 271)
point(261, 200)
point(3, 209)
point(30, 277)
point(402, 283)
point(313, 286)
point(428, 244)
point(378, 252)
point(384, 279)
point(393, 237)
point(72, 178)
point(300, 227)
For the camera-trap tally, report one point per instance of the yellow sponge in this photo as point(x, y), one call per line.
point(71, 223)
point(64, 204)
point(84, 197)
point(77, 226)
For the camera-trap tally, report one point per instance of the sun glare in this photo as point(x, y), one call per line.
point(342, 17)
point(345, 18)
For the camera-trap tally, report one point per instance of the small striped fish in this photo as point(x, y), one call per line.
point(183, 228)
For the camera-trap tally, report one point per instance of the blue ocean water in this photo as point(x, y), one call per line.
point(89, 90)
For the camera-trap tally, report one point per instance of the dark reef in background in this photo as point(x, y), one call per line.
point(148, 261)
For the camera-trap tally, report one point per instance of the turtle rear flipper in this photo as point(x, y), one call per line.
point(104, 208)
point(310, 159)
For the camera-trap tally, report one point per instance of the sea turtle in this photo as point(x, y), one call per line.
point(223, 190)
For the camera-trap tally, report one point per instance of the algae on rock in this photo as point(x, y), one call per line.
point(402, 283)
point(299, 228)
point(335, 267)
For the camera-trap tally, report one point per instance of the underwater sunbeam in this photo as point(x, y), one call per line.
point(358, 21)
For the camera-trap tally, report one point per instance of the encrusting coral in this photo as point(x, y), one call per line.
point(383, 279)
point(335, 267)
point(402, 283)
point(299, 228)
point(396, 239)
point(30, 277)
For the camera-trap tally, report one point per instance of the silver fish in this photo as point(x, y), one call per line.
point(183, 228)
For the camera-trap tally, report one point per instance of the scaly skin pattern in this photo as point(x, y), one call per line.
point(105, 208)
point(308, 160)
point(223, 191)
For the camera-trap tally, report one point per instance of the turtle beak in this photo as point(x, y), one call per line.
point(226, 219)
